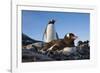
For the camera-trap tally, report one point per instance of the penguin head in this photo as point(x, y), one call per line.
point(70, 36)
point(69, 39)
point(51, 21)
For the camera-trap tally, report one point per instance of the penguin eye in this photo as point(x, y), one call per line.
point(72, 34)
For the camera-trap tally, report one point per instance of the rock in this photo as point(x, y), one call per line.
point(31, 56)
point(69, 50)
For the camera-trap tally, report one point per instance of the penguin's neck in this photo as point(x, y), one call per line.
point(50, 27)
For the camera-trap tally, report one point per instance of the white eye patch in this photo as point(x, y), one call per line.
point(67, 35)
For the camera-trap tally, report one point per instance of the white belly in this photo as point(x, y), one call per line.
point(69, 50)
point(50, 33)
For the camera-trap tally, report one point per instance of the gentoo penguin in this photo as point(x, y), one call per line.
point(60, 44)
point(50, 32)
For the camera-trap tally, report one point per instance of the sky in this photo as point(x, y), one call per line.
point(34, 23)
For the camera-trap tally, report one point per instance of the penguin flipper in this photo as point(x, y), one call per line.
point(57, 36)
point(44, 34)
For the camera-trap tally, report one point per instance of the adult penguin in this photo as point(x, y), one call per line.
point(50, 32)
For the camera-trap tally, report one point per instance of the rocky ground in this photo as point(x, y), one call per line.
point(32, 51)
point(35, 55)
